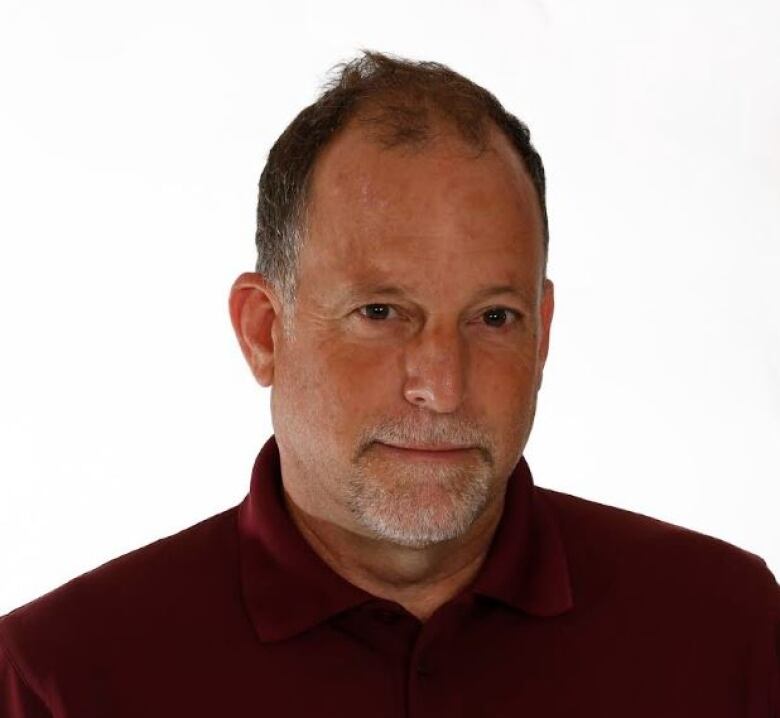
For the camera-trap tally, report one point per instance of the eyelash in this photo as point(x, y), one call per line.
point(509, 311)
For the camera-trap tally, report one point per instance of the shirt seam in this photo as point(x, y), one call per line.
point(17, 669)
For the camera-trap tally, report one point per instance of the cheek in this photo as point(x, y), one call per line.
point(337, 387)
point(361, 375)
point(503, 376)
point(502, 392)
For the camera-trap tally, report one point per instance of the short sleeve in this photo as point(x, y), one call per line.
point(17, 699)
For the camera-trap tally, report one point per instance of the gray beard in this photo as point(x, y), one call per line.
point(420, 505)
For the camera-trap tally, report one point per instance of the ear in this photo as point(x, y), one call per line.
point(546, 308)
point(254, 310)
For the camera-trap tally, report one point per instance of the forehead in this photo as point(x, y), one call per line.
point(375, 211)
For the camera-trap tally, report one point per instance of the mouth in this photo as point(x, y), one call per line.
point(428, 452)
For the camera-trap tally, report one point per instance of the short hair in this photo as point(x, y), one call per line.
point(395, 98)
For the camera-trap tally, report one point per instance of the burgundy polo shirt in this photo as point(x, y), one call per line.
point(580, 609)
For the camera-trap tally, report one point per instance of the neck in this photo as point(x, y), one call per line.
point(419, 579)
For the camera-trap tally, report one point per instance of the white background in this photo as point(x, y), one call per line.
point(132, 136)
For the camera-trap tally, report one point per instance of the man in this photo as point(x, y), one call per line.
point(393, 556)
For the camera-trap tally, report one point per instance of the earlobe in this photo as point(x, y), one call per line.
point(253, 310)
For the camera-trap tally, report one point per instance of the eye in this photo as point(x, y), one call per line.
point(497, 316)
point(375, 312)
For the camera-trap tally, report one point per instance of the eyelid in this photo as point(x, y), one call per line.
point(518, 314)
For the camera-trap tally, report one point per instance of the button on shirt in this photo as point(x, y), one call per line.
point(580, 609)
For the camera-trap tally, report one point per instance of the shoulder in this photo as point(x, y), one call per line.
point(167, 582)
point(656, 561)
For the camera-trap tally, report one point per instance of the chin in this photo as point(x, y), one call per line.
point(418, 506)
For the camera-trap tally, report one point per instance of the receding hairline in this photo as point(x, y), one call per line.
point(441, 133)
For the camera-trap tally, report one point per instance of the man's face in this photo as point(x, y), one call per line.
point(422, 319)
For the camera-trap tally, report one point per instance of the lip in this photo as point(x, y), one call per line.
point(430, 447)
point(439, 452)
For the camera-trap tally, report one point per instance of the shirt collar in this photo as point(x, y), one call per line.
point(287, 588)
point(526, 566)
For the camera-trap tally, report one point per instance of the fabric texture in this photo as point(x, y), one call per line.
point(580, 609)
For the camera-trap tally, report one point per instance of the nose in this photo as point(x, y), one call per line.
point(435, 362)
